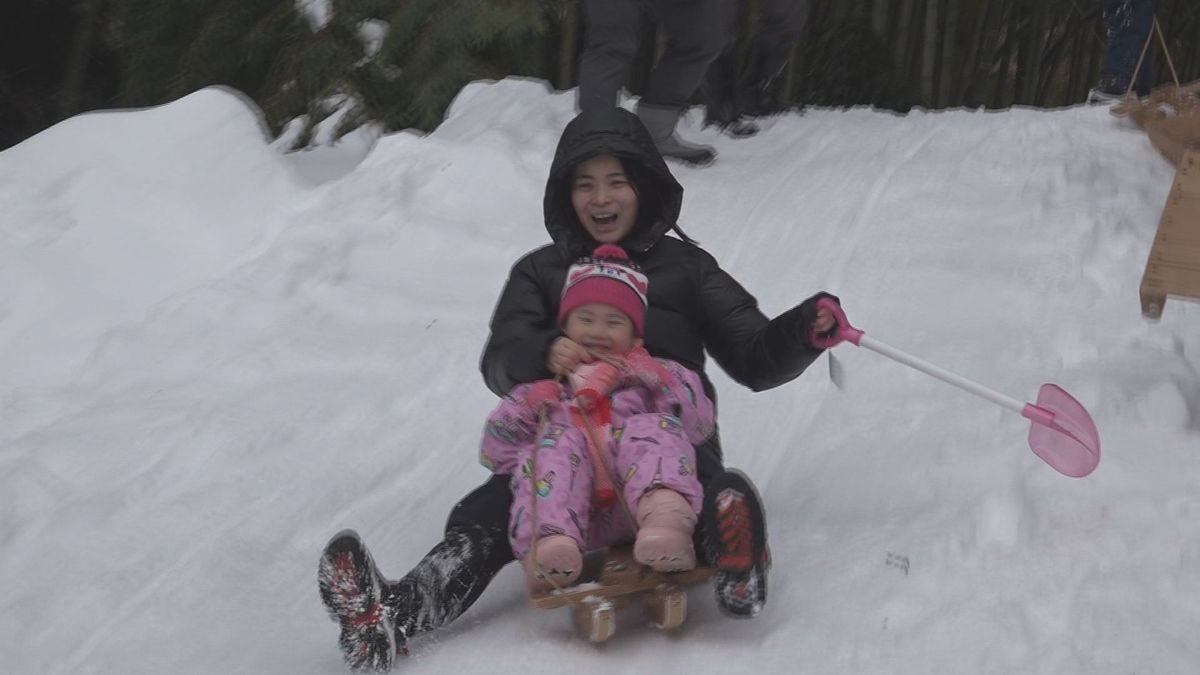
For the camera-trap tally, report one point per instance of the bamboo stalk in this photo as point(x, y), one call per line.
point(975, 73)
point(930, 39)
point(568, 48)
point(948, 74)
point(77, 62)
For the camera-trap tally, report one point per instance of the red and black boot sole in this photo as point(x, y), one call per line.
point(351, 589)
point(736, 532)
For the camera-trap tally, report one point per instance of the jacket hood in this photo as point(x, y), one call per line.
point(617, 132)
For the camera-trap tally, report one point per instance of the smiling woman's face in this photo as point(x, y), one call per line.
point(604, 199)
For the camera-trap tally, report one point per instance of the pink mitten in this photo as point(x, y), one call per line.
point(647, 369)
point(594, 381)
point(543, 393)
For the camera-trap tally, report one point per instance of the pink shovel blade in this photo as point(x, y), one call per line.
point(1063, 433)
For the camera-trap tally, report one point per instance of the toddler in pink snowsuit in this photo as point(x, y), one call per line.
point(641, 415)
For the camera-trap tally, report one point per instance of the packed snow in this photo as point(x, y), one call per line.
point(215, 355)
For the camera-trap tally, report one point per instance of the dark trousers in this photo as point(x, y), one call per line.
point(451, 577)
point(780, 24)
point(1128, 24)
point(694, 37)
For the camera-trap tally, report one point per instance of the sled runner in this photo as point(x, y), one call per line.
point(611, 578)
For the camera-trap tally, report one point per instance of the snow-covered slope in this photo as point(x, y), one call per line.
point(208, 366)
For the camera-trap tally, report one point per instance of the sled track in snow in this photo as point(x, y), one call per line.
point(846, 242)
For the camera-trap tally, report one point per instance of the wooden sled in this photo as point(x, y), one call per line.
point(1173, 267)
point(1170, 115)
point(610, 579)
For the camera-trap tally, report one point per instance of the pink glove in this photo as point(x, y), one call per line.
point(647, 370)
point(594, 381)
point(543, 394)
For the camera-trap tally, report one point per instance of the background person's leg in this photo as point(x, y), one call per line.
point(780, 24)
point(611, 45)
point(695, 36)
point(1128, 24)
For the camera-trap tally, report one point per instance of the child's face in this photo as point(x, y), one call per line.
point(601, 328)
point(604, 199)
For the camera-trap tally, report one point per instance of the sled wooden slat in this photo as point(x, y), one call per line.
point(620, 575)
point(1173, 266)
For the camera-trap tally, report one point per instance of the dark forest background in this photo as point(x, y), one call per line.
point(60, 57)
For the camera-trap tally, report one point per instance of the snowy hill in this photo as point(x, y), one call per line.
point(209, 364)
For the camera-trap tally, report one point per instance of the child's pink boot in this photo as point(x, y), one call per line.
point(556, 563)
point(665, 525)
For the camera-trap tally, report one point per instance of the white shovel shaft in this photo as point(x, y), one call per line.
point(943, 374)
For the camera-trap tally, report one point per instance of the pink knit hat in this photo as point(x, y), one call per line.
point(607, 277)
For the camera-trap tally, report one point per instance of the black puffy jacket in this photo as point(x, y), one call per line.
point(693, 304)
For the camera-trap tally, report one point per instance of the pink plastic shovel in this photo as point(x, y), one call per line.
point(1063, 433)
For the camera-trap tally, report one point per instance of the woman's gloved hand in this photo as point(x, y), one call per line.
point(817, 321)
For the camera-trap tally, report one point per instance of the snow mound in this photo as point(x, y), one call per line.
point(185, 190)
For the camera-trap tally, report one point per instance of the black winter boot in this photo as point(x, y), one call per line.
point(737, 538)
point(660, 121)
point(725, 117)
point(351, 589)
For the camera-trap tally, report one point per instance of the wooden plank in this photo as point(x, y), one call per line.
point(1173, 266)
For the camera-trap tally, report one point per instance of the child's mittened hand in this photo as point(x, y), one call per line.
point(542, 394)
point(565, 356)
point(593, 381)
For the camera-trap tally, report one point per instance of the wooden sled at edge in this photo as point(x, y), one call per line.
point(611, 578)
point(1170, 116)
point(1173, 266)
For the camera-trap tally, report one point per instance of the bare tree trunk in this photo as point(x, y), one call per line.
point(568, 48)
point(948, 74)
point(912, 50)
point(1038, 41)
point(77, 62)
point(1022, 28)
point(881, 17)
point(1059, 57)
point(902, 34)
point(929, 60)
point(976, 70)
point(998, 61)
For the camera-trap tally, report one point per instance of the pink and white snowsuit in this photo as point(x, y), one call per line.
point(649, 445)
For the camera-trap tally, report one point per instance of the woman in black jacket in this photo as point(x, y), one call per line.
point(607, 184)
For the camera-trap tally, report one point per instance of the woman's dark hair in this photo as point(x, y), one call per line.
point(650, 205)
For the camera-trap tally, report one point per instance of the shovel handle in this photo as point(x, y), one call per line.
point(847, 333)
point(843, 333)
